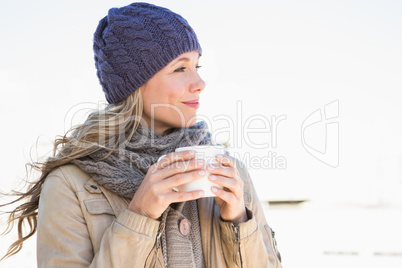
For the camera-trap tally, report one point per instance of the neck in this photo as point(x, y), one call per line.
point(161, 131)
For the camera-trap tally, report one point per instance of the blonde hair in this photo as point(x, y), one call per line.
point(110, 128)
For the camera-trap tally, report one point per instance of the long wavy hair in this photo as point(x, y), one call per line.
point(109, 128)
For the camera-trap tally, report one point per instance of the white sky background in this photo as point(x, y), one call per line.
point(276, 57)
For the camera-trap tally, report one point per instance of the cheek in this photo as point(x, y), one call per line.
point(163, 97)
point(160, 105)
point(175, 89)
point(173, 93)
point(174, 96)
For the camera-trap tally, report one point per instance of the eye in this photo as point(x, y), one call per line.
point(181, 69)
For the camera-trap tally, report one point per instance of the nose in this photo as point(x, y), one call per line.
point(197, 83)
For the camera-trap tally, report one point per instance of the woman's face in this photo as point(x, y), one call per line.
point(171, 96)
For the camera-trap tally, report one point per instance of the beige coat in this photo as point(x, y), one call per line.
point(82, 224)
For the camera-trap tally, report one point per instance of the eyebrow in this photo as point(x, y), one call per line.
point(185, 59)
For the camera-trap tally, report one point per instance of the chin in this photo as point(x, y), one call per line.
point(191, 122)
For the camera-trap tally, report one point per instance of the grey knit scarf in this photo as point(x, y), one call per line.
point(123, 171)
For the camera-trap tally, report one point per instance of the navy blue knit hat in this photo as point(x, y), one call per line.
point(134, 42)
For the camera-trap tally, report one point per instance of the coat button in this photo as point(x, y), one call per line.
point(184, 227)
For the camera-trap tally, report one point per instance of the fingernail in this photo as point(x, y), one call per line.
point(220, 156)
point(201, 193)
point(202, 172)
point(214, 190)
point(212, 177)
point(192, 152)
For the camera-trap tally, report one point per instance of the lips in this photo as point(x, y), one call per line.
point(192, 103)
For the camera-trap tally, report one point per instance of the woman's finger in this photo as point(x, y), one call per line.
point(174, 197)
point(226, 196)
point(182, 178)
point(234, 185)
point(227, 171)
point(226, 161)
point(173, 157)
point(177, 168)
point(181, 167)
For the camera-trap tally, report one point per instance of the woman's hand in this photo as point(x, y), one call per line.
point(156, 192)
point(230, 199)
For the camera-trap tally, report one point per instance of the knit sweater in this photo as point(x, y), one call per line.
point(187, 248)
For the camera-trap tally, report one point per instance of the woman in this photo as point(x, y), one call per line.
point(104, 200)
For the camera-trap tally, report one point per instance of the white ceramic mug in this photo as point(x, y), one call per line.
point(208, 153)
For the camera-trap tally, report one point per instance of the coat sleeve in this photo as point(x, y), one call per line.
point(63, 238)
point(250, 244)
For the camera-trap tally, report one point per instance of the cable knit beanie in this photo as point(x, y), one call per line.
point(134, 42)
